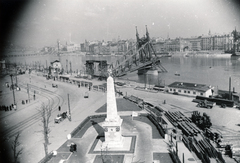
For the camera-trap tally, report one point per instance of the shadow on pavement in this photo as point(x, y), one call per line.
point(98, 128)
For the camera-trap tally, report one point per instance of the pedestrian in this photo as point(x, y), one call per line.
point(59, 108)
point(26, 101)
point(34, 96)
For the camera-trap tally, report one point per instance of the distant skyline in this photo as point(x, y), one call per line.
point(40, 23)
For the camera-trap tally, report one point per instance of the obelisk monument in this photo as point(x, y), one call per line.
point(113, 122)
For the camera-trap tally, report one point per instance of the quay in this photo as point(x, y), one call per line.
point(82, 108)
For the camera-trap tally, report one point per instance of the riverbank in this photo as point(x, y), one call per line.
point(81, 108)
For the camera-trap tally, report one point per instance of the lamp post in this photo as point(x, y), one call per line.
point(70, 118)
point(30, 78)
point(16, 80)
point(13, 90)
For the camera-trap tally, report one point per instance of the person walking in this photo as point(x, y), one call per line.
point(59, 108)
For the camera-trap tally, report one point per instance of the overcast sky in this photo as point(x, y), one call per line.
point(41, 22)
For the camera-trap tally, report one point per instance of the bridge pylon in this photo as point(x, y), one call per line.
point(143, 58)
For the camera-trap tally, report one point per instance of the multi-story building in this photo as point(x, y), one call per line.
point(159, 47)
point(206, 43)
point(217, 42)
point(200, 43)
point(172, 45)
point(228, 42)
point(194, 43)
point(73, 47)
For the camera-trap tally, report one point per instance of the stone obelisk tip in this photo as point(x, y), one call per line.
point(112, 114)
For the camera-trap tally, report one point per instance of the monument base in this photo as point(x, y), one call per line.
point(113, 134)
point(128, 145)
point(125, 145)
point(114, 144)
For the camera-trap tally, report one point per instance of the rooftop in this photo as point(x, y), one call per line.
point(192, 86)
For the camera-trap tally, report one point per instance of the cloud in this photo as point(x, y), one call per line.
point(91, 12)
point(56, 18)
point(35, 22)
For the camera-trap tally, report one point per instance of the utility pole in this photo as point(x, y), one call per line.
point(67, 66)
point(145, 81)
point(70, 118)
point(149, 80)
point(28, 92)
point(16, 80)
point(13, 90)
point(70, 67)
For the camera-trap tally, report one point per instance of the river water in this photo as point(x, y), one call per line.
point(213, 70)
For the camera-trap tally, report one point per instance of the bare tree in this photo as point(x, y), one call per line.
point(46, 112)
point(15, 145)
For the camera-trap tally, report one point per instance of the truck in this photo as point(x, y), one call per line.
point(206, 104)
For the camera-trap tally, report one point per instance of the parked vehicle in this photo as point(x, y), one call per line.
point(54, 85)
point(206, 104)
point(223, 105)
point(60, 117)
point(86, 95)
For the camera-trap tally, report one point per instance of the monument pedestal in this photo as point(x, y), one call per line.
point(113, 122)
point(113, 134)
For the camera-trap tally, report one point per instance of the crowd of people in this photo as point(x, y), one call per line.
point(7, 108)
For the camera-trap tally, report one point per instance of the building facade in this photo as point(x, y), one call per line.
point(73, 47)
point(56, 65)
point(210, 42)
point(190, 89)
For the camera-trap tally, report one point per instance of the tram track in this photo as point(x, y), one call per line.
point(24, 87)
point(51, 96)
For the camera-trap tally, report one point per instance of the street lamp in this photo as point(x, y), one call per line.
point(12, 86)
point(30, 78)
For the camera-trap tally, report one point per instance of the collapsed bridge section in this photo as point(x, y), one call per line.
point(142, 59)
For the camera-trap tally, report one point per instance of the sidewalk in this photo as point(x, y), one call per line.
point(31, 139)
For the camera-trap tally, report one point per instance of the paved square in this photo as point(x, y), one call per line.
point(128, 146)
point(109, 158)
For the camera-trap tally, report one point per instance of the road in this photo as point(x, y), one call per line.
point(27, 119)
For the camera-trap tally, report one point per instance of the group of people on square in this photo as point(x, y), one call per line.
point(7, 108)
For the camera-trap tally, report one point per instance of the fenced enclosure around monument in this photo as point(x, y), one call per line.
point(80, 130)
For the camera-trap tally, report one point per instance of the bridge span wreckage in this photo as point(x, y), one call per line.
point(142, 59)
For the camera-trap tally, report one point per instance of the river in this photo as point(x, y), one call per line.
point(213, 70)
